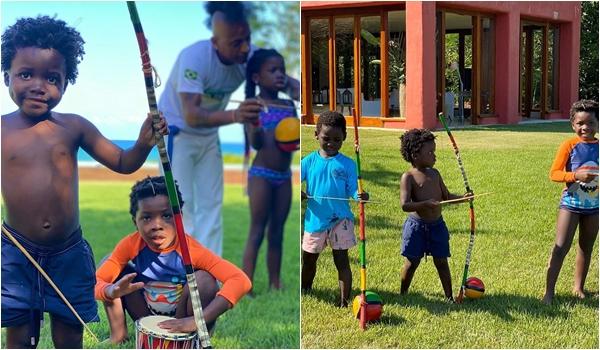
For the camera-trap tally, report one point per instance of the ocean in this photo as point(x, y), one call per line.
point(226, 148)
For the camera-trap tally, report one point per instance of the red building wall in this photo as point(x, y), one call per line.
point(420, 53)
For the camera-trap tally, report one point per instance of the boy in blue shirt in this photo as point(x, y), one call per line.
point(328, 173)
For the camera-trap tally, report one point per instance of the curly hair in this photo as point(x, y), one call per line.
point(45, 33)
point(253, 66)
point(234, 11)
point(412, 141)
point(589, 106)
point(332, 119)
point(147, 188)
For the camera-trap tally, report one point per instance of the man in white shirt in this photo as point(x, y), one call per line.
point(201, 82)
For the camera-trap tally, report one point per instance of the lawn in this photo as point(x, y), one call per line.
point(515, 230)
point(269, 320)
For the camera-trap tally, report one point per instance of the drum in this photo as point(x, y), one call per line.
point(150, 336)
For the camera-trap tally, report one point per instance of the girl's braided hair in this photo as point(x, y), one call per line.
point(254, 63)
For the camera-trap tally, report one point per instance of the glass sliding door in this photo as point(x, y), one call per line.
point(456, 99)
point(553, 68)
point(397, 63)
point(539, 67)
point(319, 58)
point(344, 65)
point(465, 58)
point(486, 69)
point(370, 65)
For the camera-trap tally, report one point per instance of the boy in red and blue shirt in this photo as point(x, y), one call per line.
point(145, 273)
point(576, 164)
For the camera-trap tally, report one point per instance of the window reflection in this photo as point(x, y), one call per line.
point(319, 37)
point(344, 54)
point(397, 63)
point(487, 66)
point(370, 67)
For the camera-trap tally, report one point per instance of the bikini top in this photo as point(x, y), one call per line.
point(275, 114)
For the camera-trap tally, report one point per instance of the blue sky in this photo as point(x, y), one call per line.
point(110, 90)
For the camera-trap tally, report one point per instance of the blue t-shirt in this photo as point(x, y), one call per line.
point(328, 177)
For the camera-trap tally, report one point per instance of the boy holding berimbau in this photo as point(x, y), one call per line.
point(40, 184)
point(421, 190)
point(329, 173)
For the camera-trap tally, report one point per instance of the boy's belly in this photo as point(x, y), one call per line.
point(42, 206)
point(429, 214)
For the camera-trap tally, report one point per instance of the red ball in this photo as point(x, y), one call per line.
point(474, 288)
point(373, 307)
point(289, 146)
point(374, 312)
point(287, 134)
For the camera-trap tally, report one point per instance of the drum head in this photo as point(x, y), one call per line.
point(149, 325)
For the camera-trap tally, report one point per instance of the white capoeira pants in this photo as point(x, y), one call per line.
point(197, 166)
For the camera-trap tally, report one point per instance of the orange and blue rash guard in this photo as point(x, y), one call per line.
point(575, 155)
point(163, 272)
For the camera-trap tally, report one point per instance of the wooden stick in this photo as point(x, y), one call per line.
point(461, 292)
point(362, 313)
point(465, 198)
point(43, 273)
point(342, 199)
point(202, 330)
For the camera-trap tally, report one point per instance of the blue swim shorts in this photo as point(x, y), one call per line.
point(421, 238)
point(70, 265)
point(580, 211)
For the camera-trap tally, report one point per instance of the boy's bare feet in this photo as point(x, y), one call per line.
point(547, 299)
point(578, 293)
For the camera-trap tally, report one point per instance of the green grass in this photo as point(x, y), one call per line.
point(269, 320)
point(515, 231)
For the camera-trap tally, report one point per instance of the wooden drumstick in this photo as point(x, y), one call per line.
point(465, 198)
point(342, 199)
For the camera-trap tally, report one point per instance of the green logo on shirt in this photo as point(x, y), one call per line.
point(190, 74)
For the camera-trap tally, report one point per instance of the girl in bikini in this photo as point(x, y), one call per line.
point(269, 177)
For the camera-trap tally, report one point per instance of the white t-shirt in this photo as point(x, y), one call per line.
point(198, 70)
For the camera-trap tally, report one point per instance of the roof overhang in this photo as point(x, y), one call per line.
point(317, 5)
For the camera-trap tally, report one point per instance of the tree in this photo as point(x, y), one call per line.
point(588, 63)
point(277, 25)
